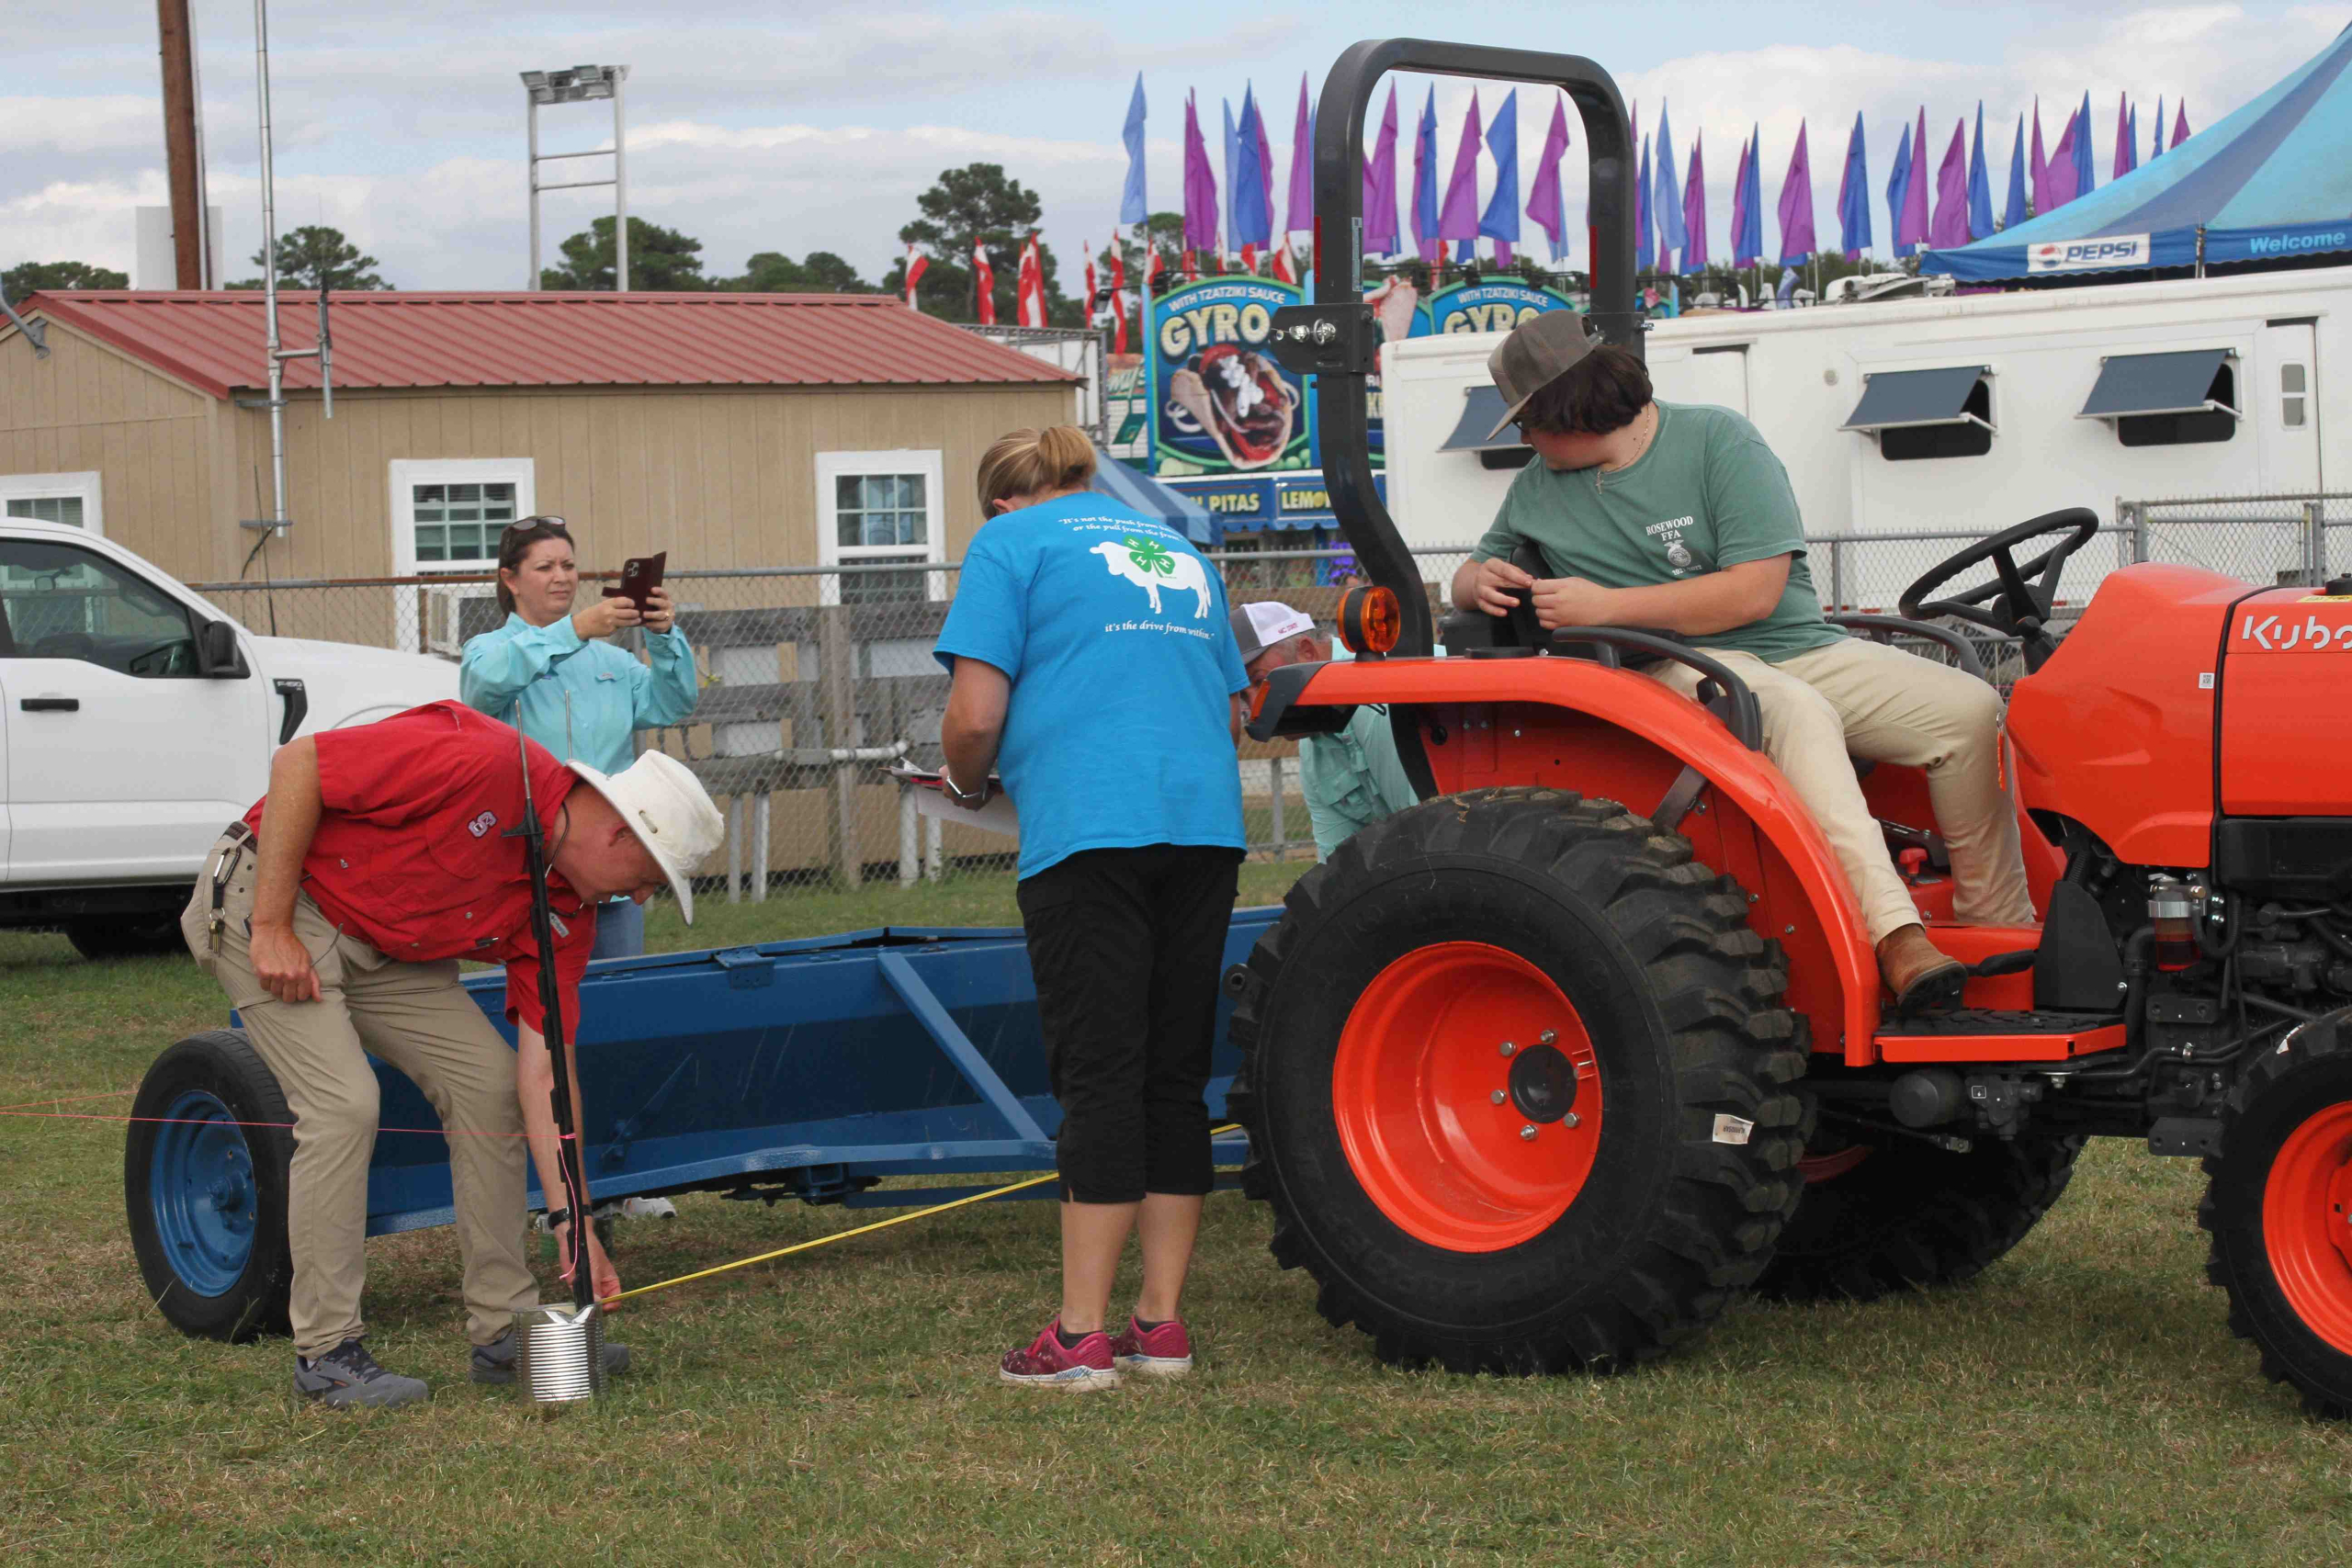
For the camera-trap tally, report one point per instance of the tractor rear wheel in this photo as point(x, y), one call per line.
point(1517, 1079)
point(1883, 1212)
point(2278, 1203)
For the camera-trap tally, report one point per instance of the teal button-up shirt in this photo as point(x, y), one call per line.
point(1351, 779)
point(581, 700)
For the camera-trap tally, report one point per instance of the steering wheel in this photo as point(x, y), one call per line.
point(2009, 605)
point(159, 659)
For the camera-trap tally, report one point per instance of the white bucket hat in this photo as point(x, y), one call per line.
point(665, 805)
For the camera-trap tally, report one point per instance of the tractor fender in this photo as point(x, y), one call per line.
point(1815, 915)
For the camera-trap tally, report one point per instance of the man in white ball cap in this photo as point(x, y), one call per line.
point(1351, 779)
point(334, 915)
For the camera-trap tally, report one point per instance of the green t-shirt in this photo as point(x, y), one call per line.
point(1708, 495)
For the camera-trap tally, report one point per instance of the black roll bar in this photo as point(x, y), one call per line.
point(1334, 339)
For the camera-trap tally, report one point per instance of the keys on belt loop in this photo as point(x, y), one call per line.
point(241, 837)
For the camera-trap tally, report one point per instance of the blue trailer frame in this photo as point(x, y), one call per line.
point(811, 1069)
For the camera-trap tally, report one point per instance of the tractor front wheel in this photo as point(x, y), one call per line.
point(1517, 1079)
point(2278, 1203)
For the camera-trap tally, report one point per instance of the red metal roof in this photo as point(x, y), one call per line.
point(214, 340)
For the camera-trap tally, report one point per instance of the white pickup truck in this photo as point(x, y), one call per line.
point(136, 721)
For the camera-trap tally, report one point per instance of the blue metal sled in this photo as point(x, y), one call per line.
point(809, 1068)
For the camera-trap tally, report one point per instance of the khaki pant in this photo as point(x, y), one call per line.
point(1858, 698)
point(418, 1019)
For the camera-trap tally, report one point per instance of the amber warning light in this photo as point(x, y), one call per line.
point(1370, 620)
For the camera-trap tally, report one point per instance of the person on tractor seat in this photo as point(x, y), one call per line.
point(1351, 779)
point(1677, 517)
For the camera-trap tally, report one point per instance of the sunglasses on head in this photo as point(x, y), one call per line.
point(550, 524)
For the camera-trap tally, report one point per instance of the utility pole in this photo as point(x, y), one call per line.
point(183, 145)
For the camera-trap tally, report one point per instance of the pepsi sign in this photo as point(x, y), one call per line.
point(2087, 255)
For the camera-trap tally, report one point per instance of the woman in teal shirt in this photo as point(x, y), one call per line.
point(548, 673)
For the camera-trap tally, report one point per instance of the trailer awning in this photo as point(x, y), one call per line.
point(1480, 412)
point(1903, 399)
point(2195, 382)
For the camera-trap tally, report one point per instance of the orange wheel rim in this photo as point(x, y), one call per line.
point(1817, 1169)
point(1466, 1143)
point(2307, 1224)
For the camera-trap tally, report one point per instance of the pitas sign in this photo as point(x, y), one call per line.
point(1221, 403)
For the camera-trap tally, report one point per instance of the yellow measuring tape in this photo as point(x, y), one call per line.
point(862, 1230)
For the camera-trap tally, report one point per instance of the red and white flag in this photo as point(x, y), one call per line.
point(1249, 260)
point(1029, 287)
point(1090, 279)
point(1284, 271)
point(916, 266)
point(1118, 299)
point(984, 283)
point(1192, 266)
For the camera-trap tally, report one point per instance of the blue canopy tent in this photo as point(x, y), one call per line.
point(2272, 181)
point(1152, 498)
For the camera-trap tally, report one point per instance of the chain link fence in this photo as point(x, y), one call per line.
point(816, 683)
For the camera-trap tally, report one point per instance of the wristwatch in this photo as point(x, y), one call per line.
point(963, 796)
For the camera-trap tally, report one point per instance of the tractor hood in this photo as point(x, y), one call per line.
point(2285, 668)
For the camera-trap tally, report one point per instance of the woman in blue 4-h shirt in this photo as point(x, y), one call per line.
point(548, 673)
point(1095, 669)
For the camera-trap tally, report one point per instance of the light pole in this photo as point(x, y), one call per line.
point(580, 84)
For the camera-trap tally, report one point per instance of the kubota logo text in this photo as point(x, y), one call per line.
point(2314, 636)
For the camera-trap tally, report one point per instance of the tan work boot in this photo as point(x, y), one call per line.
point(1921, 975)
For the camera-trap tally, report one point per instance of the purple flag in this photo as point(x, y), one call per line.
point(1458, 219)
point(1301, 212)
point(1951, 226)
point(2040, 165)
point(1740, 204)
point(1543, 203)
point(2180, 126)
point(1694, 207)
point(2125, 139)
point(1915, 228)
point(1796, 204)
point(2156, 146)
point(1200, 185)
point(1380, 226)
point(2064, 165)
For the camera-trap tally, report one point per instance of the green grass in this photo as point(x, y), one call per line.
point(2081, 1403)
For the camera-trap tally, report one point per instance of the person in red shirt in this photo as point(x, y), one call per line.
point(333, 915)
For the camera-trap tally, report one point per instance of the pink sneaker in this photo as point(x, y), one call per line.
point(1162, 1352)
point(1048, 1363)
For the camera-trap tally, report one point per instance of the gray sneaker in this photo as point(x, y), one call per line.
point(348, 1375)
point(494, 1362)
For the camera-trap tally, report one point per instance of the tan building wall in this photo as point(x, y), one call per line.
point(724, 477)
point(154, 441)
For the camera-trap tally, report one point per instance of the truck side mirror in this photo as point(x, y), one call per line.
point(216, 651)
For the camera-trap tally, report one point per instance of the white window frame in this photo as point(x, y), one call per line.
point(407, 473)
point(83, 486)
point(833, 466)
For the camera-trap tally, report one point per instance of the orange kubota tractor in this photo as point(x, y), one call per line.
point(1541, 1072)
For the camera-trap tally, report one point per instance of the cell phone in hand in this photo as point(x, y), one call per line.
point(639, 576)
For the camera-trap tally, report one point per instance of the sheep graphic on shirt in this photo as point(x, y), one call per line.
point(1151, 566)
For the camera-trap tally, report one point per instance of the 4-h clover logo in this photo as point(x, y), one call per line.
point(1149, 555)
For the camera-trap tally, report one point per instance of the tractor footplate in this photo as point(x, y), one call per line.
point(1980, 1034)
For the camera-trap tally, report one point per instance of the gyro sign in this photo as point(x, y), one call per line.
point(1221, 403)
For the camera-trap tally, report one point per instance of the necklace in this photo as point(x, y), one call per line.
point(1647, 422)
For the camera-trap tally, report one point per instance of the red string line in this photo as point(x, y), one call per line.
point(222, 1121)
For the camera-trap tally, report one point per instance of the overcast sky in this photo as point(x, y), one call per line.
point(813, 124)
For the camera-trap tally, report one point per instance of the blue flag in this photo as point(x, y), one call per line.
point(1644, 253)
point(2014, 213)
point(1500, 220)
point(2083, 178)
point(1133, 208)
point(1898, 186)
point(1232, 176)
point(1253, 206)
point(1666, 201)
point(1425, 197)
point(1750, 244)
point(1854, 197)
point(1980, 184)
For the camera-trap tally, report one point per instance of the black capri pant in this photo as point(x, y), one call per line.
point(1127, 945)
